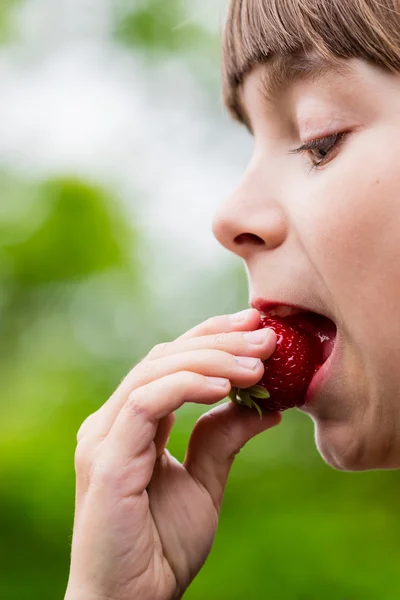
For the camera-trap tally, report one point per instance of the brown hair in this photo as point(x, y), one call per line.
point(288, 33)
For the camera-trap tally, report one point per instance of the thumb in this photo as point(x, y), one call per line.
point(217, 438)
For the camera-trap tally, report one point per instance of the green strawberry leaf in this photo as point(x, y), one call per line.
point(255, 405)
point(243, 398)
point(258, 392)
point(233, 394)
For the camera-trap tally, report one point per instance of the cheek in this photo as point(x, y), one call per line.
point(356, 243)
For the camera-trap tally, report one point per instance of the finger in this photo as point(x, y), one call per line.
point(129, 448)
point(247, 343)
point(213, 363)
point(163, 432)
point(217, 438)
point(247, 319)
point(98, 424)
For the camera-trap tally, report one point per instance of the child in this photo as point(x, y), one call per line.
point(316, 219)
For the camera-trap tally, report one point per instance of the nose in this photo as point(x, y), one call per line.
point(251, 219)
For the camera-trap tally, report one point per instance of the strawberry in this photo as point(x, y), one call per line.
point(288, 372)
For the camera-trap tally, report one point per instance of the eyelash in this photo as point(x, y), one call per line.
point(336, 138)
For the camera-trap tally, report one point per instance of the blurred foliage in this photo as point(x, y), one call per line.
point(158, 26)
point(68, 271)
point(57, 250)
point(6, 7)
point(78, 308)
point(162, 30)
point(290, 526)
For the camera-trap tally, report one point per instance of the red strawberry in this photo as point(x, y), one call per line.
point(300, 352)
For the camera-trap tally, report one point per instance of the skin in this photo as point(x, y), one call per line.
point(144, 523)
point(327, 239)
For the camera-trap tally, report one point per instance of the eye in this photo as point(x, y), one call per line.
point(323, 146)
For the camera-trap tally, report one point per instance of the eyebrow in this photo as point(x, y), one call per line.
point(284, 71)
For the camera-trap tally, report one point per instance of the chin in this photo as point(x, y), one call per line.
point(345, 447)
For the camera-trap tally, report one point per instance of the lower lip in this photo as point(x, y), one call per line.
point(320, 377)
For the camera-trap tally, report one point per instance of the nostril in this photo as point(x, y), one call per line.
point(248, 238)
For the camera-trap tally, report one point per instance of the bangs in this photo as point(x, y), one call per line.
point(261, 31)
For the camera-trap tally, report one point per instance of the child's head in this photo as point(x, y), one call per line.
point(320, 228)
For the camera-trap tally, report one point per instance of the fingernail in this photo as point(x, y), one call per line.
point(241, 316)
point(257, 337)
point(218, 381)
point(247, 362)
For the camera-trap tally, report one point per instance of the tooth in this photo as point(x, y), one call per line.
point(282, 311)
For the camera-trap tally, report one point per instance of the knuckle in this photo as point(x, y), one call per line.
point(187, 379)
point(122, 480)
point(144, 374)
point(81, 432)
point(85, 427)
point(135, 405)
point(134, 368)
point(104, 474)
point(222, 429)
point(211, 323)
point(207, 420)
point(210, 420)
point(219, 340)
point(82, 457)
point(159, 350)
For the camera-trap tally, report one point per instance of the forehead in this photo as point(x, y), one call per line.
point(275, 77)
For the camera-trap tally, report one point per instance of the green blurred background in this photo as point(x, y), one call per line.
point(114, 153)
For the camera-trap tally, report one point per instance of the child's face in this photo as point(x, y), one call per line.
point(328, 239)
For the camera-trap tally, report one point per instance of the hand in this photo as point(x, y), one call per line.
point(144, 523)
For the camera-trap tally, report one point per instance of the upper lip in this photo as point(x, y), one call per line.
point(267, 305)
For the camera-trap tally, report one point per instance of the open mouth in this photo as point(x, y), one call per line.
point(319, 328)
point(305, 341)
